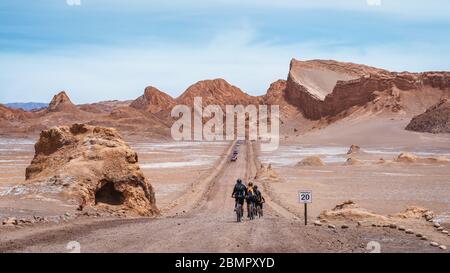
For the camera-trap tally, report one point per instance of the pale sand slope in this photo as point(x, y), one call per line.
point(320, 82)
point(369, 130)
point(385, 188)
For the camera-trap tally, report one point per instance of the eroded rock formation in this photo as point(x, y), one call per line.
point(92, 166)
point(61, 102)
point(154, 101)
point(325, 88)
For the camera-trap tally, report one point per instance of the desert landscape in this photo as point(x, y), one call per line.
point(372, 145)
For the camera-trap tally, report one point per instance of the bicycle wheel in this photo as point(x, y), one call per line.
point(239, 212)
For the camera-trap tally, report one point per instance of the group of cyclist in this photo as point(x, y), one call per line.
point(251, 195)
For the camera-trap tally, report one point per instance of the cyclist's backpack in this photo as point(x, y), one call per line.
point(240, 191)
point(250, 194)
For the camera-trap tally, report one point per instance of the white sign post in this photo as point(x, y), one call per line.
point(305, 197)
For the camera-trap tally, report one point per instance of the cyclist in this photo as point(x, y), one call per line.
point(239, 193)
point(250, 197)
point(259, 199)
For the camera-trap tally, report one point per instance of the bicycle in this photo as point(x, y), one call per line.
point(239, 212)
point(259, 211)
point(251, 210)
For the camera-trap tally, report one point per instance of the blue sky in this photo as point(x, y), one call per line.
point(112, 49)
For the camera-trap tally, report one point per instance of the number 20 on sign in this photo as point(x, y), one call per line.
point(305, 197)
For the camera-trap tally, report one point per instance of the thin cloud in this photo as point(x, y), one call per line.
point(95, 73)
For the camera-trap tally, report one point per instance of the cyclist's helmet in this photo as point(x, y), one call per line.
point(239, 181)
point(250, 184)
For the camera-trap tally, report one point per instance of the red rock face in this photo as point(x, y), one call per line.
point(439, 80)
point(275, 94)
point(216, 92)
point(353, 85)
point(153, 101)
point(61, 102)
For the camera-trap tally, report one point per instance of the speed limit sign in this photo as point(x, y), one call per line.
point(305, 197)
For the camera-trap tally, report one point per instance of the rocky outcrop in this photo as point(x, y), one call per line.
point(311, 161)
point(352, 162)
point(439, 80)
point(350, 211)
point(216, 92)
point(266, 172)
point(326, 88)
point(354, 149)
point(275, 95)
point(92, 166)
point(61, 102)
point(154, 101)
point(412, 158)
point(435, 120)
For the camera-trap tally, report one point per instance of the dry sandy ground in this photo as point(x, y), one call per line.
point(384, 188)
point(208, 225)
point(381, 188)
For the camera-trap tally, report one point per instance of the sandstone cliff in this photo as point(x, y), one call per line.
point(325, 88)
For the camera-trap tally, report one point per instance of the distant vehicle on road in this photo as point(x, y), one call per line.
point(234, 157)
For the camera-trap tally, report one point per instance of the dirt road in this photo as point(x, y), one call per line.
point(209, 226)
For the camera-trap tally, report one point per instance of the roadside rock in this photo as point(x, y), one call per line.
point(317, 223)
point(434, 244)
point(350, 211)
point(266, 172)
point(91, 166)
point(311, 161)
point(429, 215)
point(409, 231)
point(10, 221)
point(414, 212)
